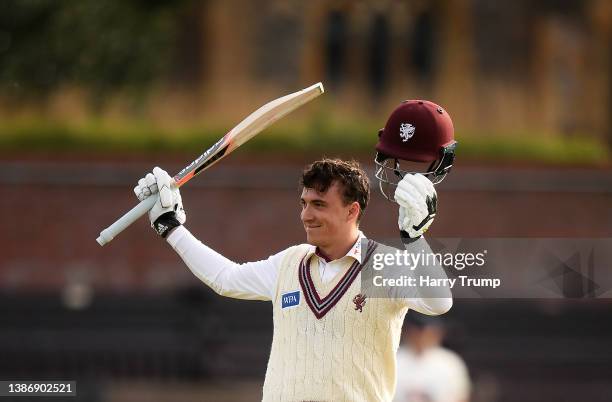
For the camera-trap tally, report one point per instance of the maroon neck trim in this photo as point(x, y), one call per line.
point(321, 254)
point(321, 306)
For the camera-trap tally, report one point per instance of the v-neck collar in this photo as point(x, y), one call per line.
point(321, 306)
point(354, 251)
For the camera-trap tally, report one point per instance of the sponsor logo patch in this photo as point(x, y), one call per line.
point(290, 299)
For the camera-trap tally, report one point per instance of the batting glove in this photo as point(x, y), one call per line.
point(168, 212)
point(417, 201)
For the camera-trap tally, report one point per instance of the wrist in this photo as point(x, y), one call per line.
point(171, 231)
point(166, 223)
point(406, 239)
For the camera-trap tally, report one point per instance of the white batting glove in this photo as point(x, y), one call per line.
point(417, 201)
point(167, 213)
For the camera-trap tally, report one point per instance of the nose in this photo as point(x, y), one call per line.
point(306, 214)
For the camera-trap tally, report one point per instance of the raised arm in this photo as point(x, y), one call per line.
point(253, 280)
point(427, 298)
point(417, 201)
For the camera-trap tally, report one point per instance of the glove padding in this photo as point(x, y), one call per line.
point(167, 213)
point(417, 201)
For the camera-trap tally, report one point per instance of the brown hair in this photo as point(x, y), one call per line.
point(321, 175)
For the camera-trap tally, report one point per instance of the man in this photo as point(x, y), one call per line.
point(426, 371)
point(330, 343)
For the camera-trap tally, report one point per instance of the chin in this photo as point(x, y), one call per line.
point(313, 240)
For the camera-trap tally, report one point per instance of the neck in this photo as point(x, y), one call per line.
point(340, 248)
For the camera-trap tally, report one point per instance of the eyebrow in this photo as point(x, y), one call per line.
point(319, 200)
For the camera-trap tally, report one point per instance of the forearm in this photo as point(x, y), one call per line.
point(429, 299)
point(251, 281)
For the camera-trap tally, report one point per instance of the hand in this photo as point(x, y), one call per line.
point(417, 201)
point(168, 212)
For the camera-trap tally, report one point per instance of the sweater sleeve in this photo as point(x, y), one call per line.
point(429, 300)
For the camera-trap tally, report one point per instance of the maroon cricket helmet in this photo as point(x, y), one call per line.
point(416, 131)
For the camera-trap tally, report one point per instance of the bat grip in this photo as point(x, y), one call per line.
point(126, 220)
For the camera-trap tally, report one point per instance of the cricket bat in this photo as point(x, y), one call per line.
point(244, 131)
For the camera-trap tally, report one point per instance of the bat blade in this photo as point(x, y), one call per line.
point(252, 125)
point(244, 131)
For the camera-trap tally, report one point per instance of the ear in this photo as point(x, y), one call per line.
point(354, 210)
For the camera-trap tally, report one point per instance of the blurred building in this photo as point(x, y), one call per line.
point(501, 67)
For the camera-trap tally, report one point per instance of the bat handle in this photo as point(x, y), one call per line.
point(126, 220)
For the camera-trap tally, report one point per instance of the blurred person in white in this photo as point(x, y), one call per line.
point(427, 371)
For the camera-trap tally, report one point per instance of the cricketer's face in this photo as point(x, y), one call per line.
point(325, 216)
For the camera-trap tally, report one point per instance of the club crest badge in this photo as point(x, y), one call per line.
point(406, 131)
point(360, 301)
